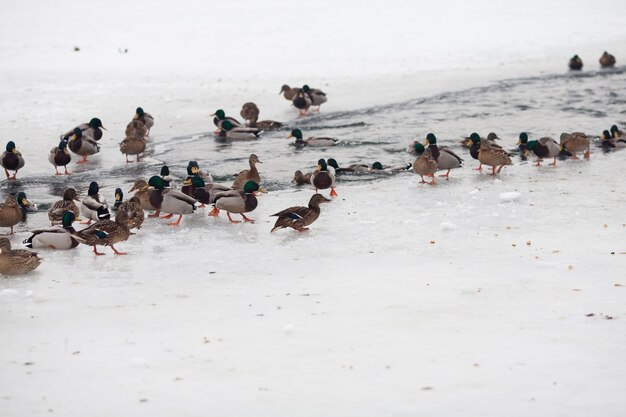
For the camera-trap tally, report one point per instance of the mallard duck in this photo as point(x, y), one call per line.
point(316, 141)
point(165, 176)
point(416, 148)
point(220, 117)
point(288, 92)
point(106, 233)
point(575, 63)
point(12, 210)
point(119, 198)
point(205, 193)
point(467, 142)
point(16, 261)
point(324, 178)
point(229, 131)
point(193, 170)
point(246, 175)
point(299, 217)
point(55, 237)
point(608, 141)
point(82, 145)
point(377, 167)
point(136, 129)
point(301, 179)
point(616, 133)
point(93, 129)
point(302, 101)
point(145, 118)
point(250, 114)
point(544, 148)
point(94, 206)
point(317, 96)
point(11, 159)
point(493, 155)
point(58, 209)
point(133, 146)
point(135, 212)
point(607, 60)
point(351, 169)
point(425, 165)
point(445, 157)
point(576, 142)
point(170, 201)
point(142, 192)
point(59, 156)
point(236, 201)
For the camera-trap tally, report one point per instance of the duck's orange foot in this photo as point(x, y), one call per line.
point(215, 212)
point(333, 193)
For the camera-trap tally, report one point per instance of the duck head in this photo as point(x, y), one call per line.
point(430, 139)
point(165, 171)
point(139, 186)
point(250, 187)
point(96, 123)
point(219, 114)
point(70, 194)
point(377, 166)
point(295, 133)
point(419, 148)
point(475, 138)
point(156, 182)
point(321, 165)
point(523, 138)
point(94, 188)
point(138, 113)
point(605, 135)
point(22, 201)
point(11, 147)
point(192, 168)
point(332, 163)
point(68, 219)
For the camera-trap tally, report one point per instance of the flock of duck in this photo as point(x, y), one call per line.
point(164, 199)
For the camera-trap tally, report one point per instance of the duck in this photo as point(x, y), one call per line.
point(142, 192)
point(324, 178)
point(250, 114)
point(170, 201)
point(12, 211)
point(165, 176)
point(576, 142)
point(94, 207)
point(236, 201)
point(493, 155)
point(377, 168)
point(299, 217)
point(608, 141)
point(193, 170)
point(119, 199)
point(302, 179)
point(616, 133)
point(59, 156)
point(415, 148)
point(92, 129)
point(229, 131)
point(545, 147)
point(315, 141)
point(575, 63)
point(136, 129)
point(317, 96)
point(134, 210)
point(607, 60)
point(351, 169)
point(106, 233)
point(467, 142)
point(55, 237)
point(445, 157)
point(145, 118)
point(246, 175)
point(302, 101)
point(133, 146)
point(11, 159)
point(16, 261)
point(59, 208)
point(288, 92)
point(205, 193)
point(425, 165)
point(82, 145)
point(220, 116)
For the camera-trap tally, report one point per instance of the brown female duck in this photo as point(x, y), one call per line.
point(299, 217)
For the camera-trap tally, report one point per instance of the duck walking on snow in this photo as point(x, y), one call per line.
point(299, 217)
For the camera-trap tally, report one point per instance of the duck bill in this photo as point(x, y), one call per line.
point(102, 127)
point(290, 136)
point(262, 190)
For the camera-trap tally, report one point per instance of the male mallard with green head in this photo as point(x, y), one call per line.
point(236, 201)
point(415, 148)
point(425, 165)
point(59, 156)
point(316, 141)
point(445, 157)
point(145, 118)
point(608, 141)
point(575, 63)
point(58, 209)
point(323, 178)
point(11, 159)
point(16, 261)
point(170, 201)
point(299, 217)
point(229, 131)
point(317, 96)
point(544, 148)
point(12, 210)
point(55, 237)
point(220, 116)
point(576, 142)
point(302, 102)
point(94, 207)
point(82, 145)
point(616, 133)
point(250, 114)
point(106, 233)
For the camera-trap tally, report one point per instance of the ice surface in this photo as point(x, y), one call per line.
point(402, 299)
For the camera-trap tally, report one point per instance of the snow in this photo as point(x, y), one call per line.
point(479, 296)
